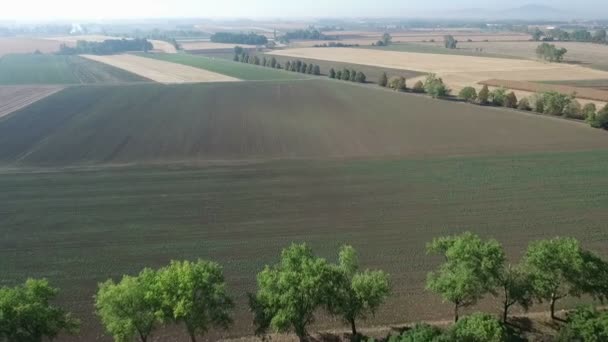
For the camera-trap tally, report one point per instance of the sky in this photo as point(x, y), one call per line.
point(123, 9)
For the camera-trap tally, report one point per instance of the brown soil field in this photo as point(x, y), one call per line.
point(161, 71)
point(456, 70)
point(582, 93)
point(13, 98)
point(27, 45)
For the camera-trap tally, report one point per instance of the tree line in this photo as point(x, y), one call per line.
point(432, 85)
point(239, 38)
point(290, 293)
point(348, 75)
point(550, 53)
point(580, 35)
point(107, 47)
point(310, 33)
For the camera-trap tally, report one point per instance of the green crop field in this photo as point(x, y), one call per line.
point(55, 69)
point(80, 227)
point(261, 120)
point(242, 71)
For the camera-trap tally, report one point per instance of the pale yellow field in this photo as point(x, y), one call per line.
point(13, 98)
point(456, 71)
point(206, 45)
point(161, 71)
point(27, 45)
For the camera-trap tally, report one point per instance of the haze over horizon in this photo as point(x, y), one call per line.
point(42, 10)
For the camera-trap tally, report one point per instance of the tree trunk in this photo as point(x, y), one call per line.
point(553, 307)
point(456, 313)
point(353, 327)
point(192, 337)
point(143, 337)
point(505, 313)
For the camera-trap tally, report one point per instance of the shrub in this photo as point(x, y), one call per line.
point(601, 119)
point(497, 96)
point(393, 83)
point(468, 94)
point(524, 104)
point(574, 110)
point(484, 95)
point(555, 103)
point(361, 78)
point(419, 333)
point(435, 87)
point(585, 324)
point(510, 100)
point(418, 87)
point(589, 110)
point(332, 73)
point(478, 327)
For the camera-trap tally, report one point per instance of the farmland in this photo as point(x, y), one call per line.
point(241, 71)
point(13, 98)
point(27, 45)
point(581, 92)
point(160, 71)
point(261, 120)
point(53, 69)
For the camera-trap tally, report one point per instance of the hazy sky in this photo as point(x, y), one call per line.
point(72, 9)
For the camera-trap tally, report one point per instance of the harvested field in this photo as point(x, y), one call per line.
point(27, 45)
point(226, 67)
point(316, 119)
point(80, 227)
point(207, 45)
point(159, 45)
point(13, 98)
point(160, 71)
point(594, 84)
point(583, 93)
point(55, 69)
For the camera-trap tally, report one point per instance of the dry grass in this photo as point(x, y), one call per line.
point(161, 71)
point(582, 93)
point(27, 45)
point(13, 98)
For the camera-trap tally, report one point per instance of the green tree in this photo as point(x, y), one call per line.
point(316, 70)
point(418, 87)
point(238, 50)
point(290, 291)
point(264, 61)
point(273, 62)
point(435, 87)
point(550, 53)
point(449, 42)
point(471, 269)
point(537, 34)
point(555, 267)
point(339, 74)
point(582, 35)
point(524, 104)
point(484, 95)
point(393, 83)
point(27, 315)
point(358, 293)
point(361, 78)
point(601, 119)
point(310, 68)
point(345, 75)
point(510, 100)
point(585, 324)
point(288, 66)
point(574, 110)
point(129, 308)
point(401, 85)
point(298, 66)
point(589, 110)
point(353, 75)
point(468, 94)
point(514, 287)
point(555, 103)
point(303, 68)
point(386, 39)
point(419, 333)
point(478, 327)
point(332, 73)
point(383, 80)
point(497, 96)
point(194, 293)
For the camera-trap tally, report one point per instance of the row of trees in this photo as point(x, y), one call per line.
point(581, 35)
point(550, 103)
point(107, 47)
point(290, 293)
point(239, 38)
point(302, 67)
point(311, 33)
point(348, 75)
point(432, 85)
point(550, 53)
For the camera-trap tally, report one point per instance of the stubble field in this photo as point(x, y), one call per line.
point(13, 98)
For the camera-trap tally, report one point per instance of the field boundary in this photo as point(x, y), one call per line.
point(579, 92)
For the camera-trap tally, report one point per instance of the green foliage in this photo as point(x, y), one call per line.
point(194, 293)
point(478, 327)
point(401, 85)
point(600, 120)
point(353, 75)
point(468, 94)
point(419, 333)
point(316, 70)
point(435, 87)
point(550, 53)
point(555, 103)
point(537, 34)
point(418, 87)
point(290, 291)
point(588, 111)
point(515, 289)
point(345, 75)
point(129, 308)
point(26, 314)
point(585, 324)
point(498, 96)
point(393, 83)
point(239, 38)
point(449, 42)
point(357, 294)
point(386, 39)
point(383, 80)
point(574, 110)
point(332, 73)
point(524, 104)
point(510, 100)
point(539, 103)
point(484, 95)
point(471, 269)
point(361, 78)
point(106, 47)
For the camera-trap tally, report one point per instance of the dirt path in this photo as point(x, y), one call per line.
point(161, 71)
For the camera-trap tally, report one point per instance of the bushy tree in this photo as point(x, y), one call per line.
point(550, 53)
point(484, 95)
point(468, 94)
point(353, 75)
point(574, 110)
point(419, 333)
point(401, 84)
point(537, 34)
point(449, 42)
point(393, 83)
point(339, 74)
point(361, 78)
point(585, 324)
point(418, 87)
point(332, 73)
point(27, 315)
point(129, 308)
point(304, 68)
point(273, 62)
point(538, 103)
point(589, 110)
point(386, 39)
point(478, 327)
point(514, 288)
point(383, 80)
point(288, 66)
point(555, 103)
point(497, 96)
point(291, 291)
point(194, 294)
point(435, 87)
point(256, 60)
point(264, 61)
point(510, 100)
point(524, 104)
point(471, 269)
point(358, 293)
point(345, 75)
point(601, 119)
point(316, 70)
